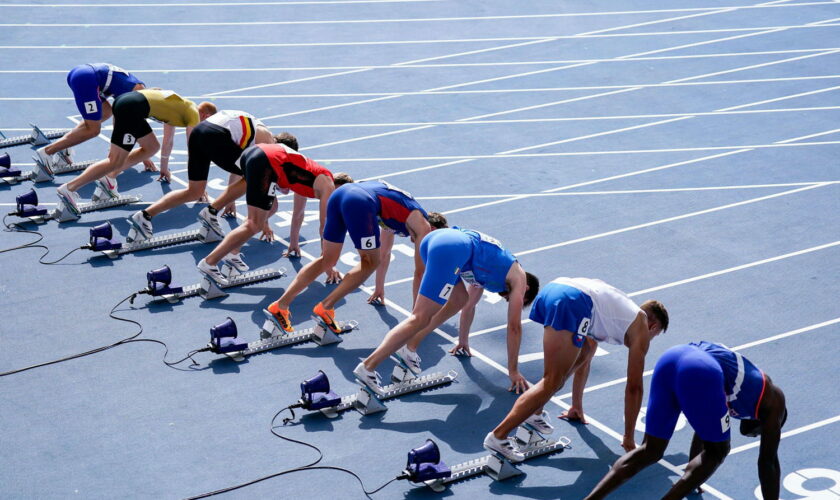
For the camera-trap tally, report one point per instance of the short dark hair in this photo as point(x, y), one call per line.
point(437, 220)
point(533, 288)
point(341, 179)
point(657, 309)
point(287, 139)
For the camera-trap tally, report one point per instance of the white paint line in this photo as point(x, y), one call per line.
point(669, 219)
point(516, 17)
point(818, 134)
point(267, 69)
point(286, 82)
point(206, 4)
point(792, 432)
point(819, 91)
point(409, 42)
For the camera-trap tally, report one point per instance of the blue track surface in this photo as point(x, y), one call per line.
point(687, 152)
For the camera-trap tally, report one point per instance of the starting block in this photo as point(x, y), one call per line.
point(365, 401)
point(321, 334)
point(159, 283)
point(202, 235)
point(64, 165)
point(221, 339)
point(528, 441)
point(36, 138)
point(99, 201)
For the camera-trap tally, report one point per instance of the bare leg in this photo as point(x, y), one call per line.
point(650, 451)
point(368, 262)
point(83, 131)
point(457, 298)
point(310, 272)
point(560, 357)
point(232, 193)
point(173, 199)
point(424, 309)
point(240, 235)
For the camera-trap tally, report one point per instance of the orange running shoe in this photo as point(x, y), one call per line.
point(327, 316)
point(281, 317)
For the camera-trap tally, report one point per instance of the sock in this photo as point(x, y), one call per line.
point(212, 210)
point(146, 215)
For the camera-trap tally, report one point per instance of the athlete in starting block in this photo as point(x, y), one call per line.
point(577, 313)
point(452, 257)
point(709, 384)
point(359, 209)
point(272, 169)
point(92, 85)
point(130, 128)
point(220, 139)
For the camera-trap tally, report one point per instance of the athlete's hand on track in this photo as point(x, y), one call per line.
point(333, 276)
point(293, 252)
point(229, 210)
point(573, 414)
point(628, 443)
point(267, 233)
point(165, 176)
point(377, 298)
point(149, 166)
point(461, 349)
point(518, 383)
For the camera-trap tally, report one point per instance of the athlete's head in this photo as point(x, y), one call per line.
point(657, 316)
point(752, 428)
point(532, 287)
point(287, 139)
point(206, 109)
point(341, 179)
point(437, 220)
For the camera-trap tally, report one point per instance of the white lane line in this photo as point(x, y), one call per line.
point(579, 153)
point(266, 69)
point(818, 134)
point(762, 341)
point(670, 219)
point(515, 17)
point(802, 94)
point(409, 42)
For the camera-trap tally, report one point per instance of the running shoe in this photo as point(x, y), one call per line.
point(142, 225)
point(409, 358)
point(108, 186)
point(370, 379)
point(212, 272)
point(503, 447)
point(540, 423)
point(45, 159)
point(327, 316)
point(281, 317)
point(70, 198)
point(210, 221)
point(235, 260)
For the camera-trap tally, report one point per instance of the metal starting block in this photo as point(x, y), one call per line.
point(530, 442)
point(35, 138)
point(202, 235)
point(320, 334)
point(65, 165)
point(367, 402)
point(209, 289)
point(100, 202)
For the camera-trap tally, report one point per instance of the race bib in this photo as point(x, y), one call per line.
point(394, 188)
point(273, 189)
point(724, 423)
point(91, 107)
point(368, 243)
point(469, 277)
point(445, 291)
point(583, 328)
point(489, 239)
point(128, 140)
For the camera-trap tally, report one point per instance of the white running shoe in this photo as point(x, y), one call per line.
point(210, 221)
point(540, 423)
point(45, 158)
point(212, 272)
point(108, 186)
point(70, 198)
point(235, 260)
point(369, 378)
point(503, 447)
point(142, 225)
point(409, 358)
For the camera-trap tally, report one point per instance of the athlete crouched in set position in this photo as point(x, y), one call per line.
point(577, 313)
point(453, 256)
point(271, 169)
point(708, 383)
point(92, 85)
point(220, 139)
point(359, 209)
point(131, 127)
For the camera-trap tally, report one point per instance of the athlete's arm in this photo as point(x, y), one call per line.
point(323, 189)
point(465, 322)
point(298, 206)
point(418, 228)
point(386, 243)
point(165, 150)
point(771, 415)
point(516, 297)
point(638, 340)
